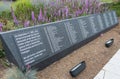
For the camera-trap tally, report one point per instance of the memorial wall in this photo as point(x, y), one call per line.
point(41, 45)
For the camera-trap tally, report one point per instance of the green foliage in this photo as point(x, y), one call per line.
point(4, 62)
point(5, 9)
point(7, 24)
point(2, 53)
point(31, 75)
point(23, 9)
point(5, 14)
point(15, 73)
point(108, 1)
point(116, 7)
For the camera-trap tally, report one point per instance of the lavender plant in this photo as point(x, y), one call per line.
point(40, 16)
point(1, 26)
point(33, 17)
point(64, 9)
point(26, 23)
point(27, 14)
point(14, 17)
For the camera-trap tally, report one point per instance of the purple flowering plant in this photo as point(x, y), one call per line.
point(1, 25)
point(26, 23)
point(57, 10)
point(64, 9)
point(14, 17)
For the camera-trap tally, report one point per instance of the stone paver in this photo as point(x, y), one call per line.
point(112, 69)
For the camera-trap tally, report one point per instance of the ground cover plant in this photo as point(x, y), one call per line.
point(15, 73)
point(116, 7)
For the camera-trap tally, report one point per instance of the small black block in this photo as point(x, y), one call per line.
point(109, 43)
point(78, 69)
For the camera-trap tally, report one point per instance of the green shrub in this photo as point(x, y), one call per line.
point(5, 9)
point(116, 7)
point(108, 1)
point(2, 53)
point(5, 14)
point(23, 9)
point(7, 24)
point(15, 73)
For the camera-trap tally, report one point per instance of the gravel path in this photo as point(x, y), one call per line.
point(5, 5)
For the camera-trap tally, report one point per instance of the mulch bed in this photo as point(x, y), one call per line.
point(2, 68)
point(94, 53)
